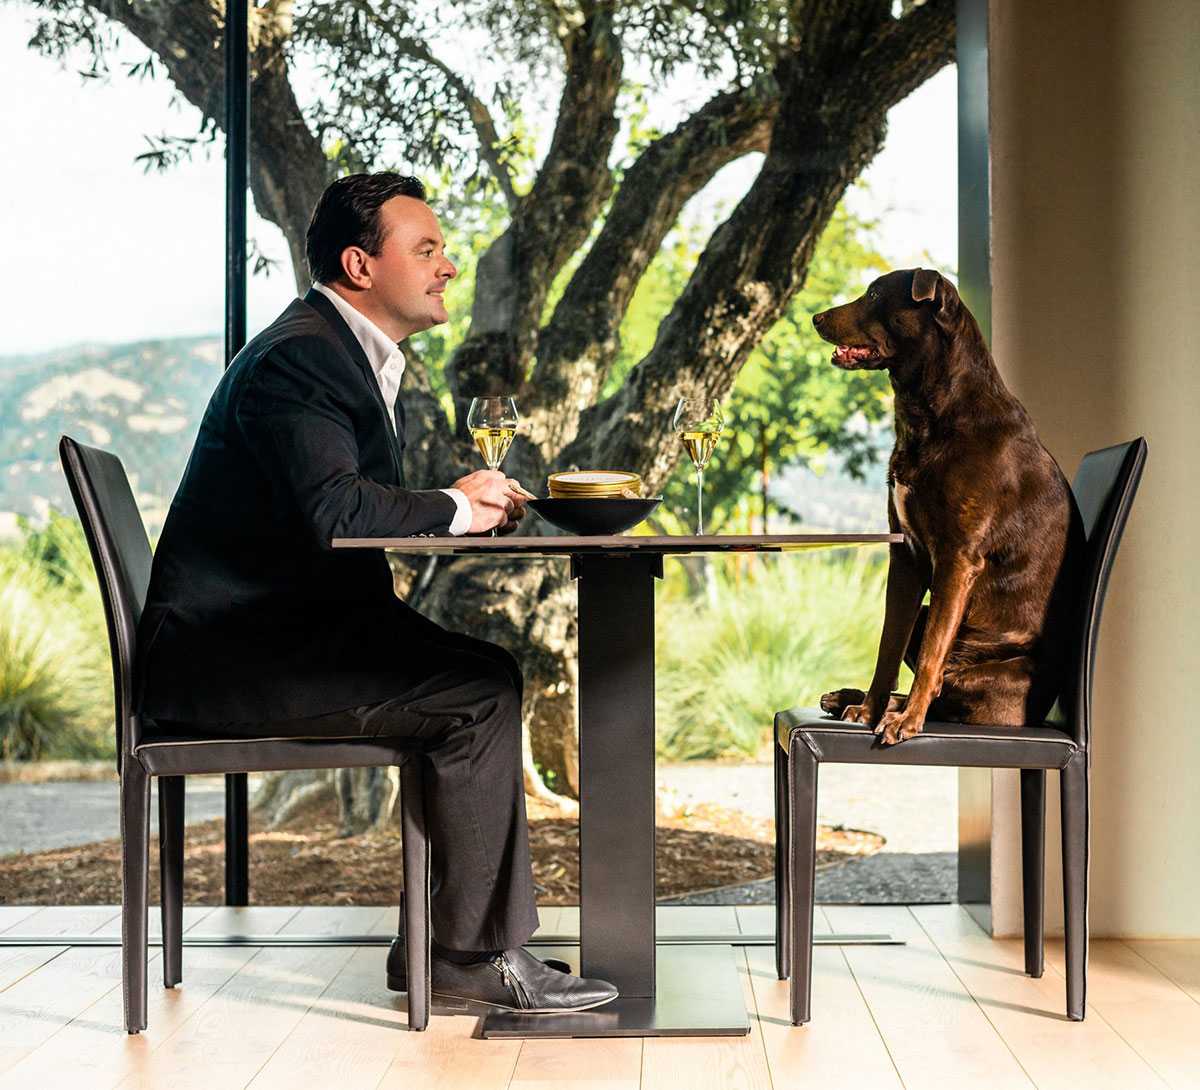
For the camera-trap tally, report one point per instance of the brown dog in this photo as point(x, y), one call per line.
point(990, 527)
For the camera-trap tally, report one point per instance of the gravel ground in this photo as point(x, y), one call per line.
point(916, 809)
point(36, 816)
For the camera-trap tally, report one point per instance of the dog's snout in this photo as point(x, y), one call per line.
point(819, 318)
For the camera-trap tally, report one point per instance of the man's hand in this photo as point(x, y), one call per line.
point(497, 502)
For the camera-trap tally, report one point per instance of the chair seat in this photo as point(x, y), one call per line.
point(966, 744)
point(179, 753)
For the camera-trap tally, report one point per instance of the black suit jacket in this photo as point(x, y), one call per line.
point(251, 616)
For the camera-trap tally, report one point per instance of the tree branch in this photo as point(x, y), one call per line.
point(577, 348)
point(554, 220)
point(906, 53)
point(481, 119)
point(756, 260)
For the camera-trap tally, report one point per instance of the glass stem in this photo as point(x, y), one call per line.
point(494, 531)
point(699, 501)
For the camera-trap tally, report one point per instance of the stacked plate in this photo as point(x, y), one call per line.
point(592, 484)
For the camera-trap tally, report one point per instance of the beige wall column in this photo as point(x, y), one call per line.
point(1095, 146)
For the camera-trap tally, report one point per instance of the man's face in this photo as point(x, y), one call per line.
point(406, 280)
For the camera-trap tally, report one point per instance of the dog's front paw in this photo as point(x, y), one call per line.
point(859, 713)
point(898, 727)
point(839, 700)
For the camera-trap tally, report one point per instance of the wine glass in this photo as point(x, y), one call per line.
point(492, 422)
point(699, 421)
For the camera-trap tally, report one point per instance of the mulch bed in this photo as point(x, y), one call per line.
point(701, 848)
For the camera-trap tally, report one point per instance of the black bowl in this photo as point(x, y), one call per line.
point(600, 517)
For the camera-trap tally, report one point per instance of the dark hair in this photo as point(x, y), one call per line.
point(347, 214)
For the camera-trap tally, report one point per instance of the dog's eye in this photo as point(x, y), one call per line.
point(872, 295)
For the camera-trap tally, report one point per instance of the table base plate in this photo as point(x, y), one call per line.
point(699, 995)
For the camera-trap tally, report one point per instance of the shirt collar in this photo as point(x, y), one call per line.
point(378, 346)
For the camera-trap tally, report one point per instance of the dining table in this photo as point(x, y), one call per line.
point(665, 990)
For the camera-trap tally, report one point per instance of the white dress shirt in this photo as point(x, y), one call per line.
point(387, 363)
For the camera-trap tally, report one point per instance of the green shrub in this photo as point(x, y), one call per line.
point(779, 636)
point(55, 673)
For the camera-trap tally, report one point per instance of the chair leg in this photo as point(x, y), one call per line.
point(416, 890)
point(783, 950)
point(237, 840)
point(1033, 865)
point(170, 870)
point(1075, 819)
point(802, 865)
point(135, 875)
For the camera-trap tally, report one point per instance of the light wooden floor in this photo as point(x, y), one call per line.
point(951, 1008)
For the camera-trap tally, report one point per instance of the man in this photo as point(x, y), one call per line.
point(254, 625)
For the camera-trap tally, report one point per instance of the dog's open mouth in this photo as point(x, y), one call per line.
point(848, 355)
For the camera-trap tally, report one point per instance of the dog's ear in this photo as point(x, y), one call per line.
point(925, 284)
point(929, 285)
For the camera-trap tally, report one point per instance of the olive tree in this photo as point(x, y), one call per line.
point(528, 109)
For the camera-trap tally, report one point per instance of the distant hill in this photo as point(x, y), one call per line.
point(143, 401)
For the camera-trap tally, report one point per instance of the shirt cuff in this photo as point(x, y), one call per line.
point(461, 522)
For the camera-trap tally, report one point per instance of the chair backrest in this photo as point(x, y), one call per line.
point(1104, 488)
point(121, 555)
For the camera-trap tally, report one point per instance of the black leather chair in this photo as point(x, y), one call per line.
point(1104, 489)
point(121, 554)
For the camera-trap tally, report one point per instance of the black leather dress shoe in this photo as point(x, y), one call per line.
point(397, 975)
point(514, 980)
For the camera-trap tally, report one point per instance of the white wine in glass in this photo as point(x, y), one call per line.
point(699, 421)
point(492, 422)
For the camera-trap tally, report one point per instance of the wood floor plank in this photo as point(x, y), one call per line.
point(1157, 1017)
point(16, 962)
point(1117, 972)
point(11, 915)
point(568, 921)
point(669, 920)
point(94, 1047)
point(548, 919)
point(1176, 959)
point(936, 1035)
point(756, 1032)
point(41, 1003)
point(248, 920)
point(347, 1038)
point(1030, 1014)
point(755, 919)
point(610, 1064)
point(693, 1063)
point(839, 1048)
point(718, 920)
point(241, 1025)
point(340, 920)
point(192, 915)
point(1165, 1034)
point(450, 1055)
point(67, 919)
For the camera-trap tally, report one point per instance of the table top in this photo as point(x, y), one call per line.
point(529, 545)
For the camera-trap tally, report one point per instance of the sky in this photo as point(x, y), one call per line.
point(101, 252)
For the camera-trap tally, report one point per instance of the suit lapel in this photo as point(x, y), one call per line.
point(350, 342)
